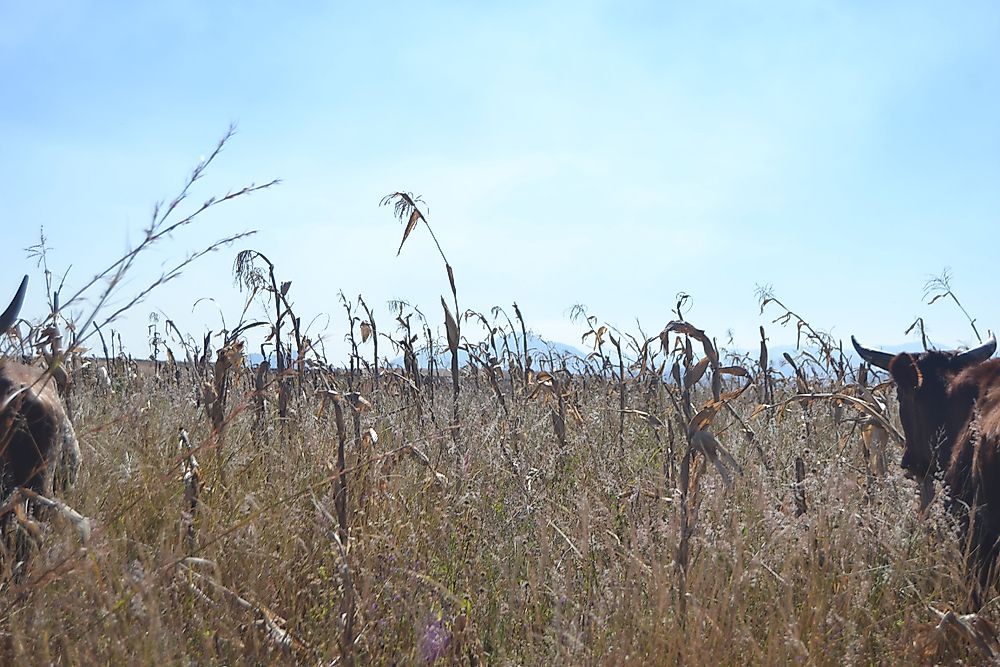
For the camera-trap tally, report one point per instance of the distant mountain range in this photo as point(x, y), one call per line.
point(539, 349)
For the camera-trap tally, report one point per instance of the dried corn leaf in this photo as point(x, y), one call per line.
point(763, 349)
point(452, 327)
point(732, 395)
point(650, 419)
point(692, 331)
point(712, 449)
point(78, 521)
point(451, 281)
point(675, 373)
point(233, 353)
point(695, 373)
point(575, 414)
point(874, 433)
point(704, 417)
point(598, 335)
point(414, 218)
point(358, 402)
point(559, 426)
point(29, 525)
point(544, 383)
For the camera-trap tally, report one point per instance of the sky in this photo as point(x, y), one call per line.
point(610, 154)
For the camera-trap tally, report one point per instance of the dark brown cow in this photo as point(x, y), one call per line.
point(949, 404)
point(38, 446)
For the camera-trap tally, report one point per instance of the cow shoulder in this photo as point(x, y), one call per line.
point(981, 384)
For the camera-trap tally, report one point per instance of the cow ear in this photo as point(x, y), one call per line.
point(905, 372)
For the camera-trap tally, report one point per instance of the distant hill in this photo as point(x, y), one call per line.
point(538, 348)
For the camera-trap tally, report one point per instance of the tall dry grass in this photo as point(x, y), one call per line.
point(521, 547)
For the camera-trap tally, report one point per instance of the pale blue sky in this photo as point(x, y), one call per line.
point(605, 153)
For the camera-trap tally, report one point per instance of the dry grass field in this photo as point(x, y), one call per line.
point(545, 529)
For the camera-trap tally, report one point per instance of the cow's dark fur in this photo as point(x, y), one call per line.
point(949, 404)
point(38, 447)
point(37, 444)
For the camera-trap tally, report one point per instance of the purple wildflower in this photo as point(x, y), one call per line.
point(434, 640)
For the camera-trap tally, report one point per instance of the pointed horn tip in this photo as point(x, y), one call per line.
point(991, 344)
point(9, 316)
point(877, 358)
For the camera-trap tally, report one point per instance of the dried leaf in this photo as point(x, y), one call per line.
point(873, 432)
point(695, 373)
point(704, 417)
point(650, 419)
point(706, 443)
point(366, 331)
point(690, 330)
point(451, 281)
point(763, 350)
point(414, 218)
point(543, 383)
point(675, 373)
point(358, 402)
point(713, 450)
point(730, 395)
point(665, 341)
point(452, 326)
point(559, 425)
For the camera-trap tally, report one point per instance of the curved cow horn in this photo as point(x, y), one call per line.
point(10, 315)
point(876, 358)
point(981, 353)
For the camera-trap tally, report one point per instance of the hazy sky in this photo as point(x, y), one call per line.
point(605, 153)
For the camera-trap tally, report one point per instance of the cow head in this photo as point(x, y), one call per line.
point(931, 416)
point(37, 443)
